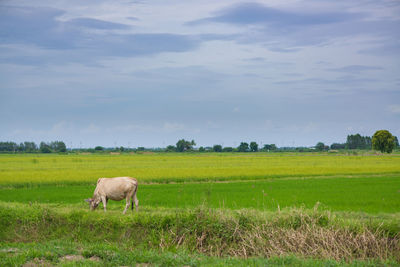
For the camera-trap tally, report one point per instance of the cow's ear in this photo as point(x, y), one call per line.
point(88, 200)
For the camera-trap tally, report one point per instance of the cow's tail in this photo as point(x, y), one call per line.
point(134, 196)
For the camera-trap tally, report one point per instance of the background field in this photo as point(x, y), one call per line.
point(167, 167)
point(303, 209)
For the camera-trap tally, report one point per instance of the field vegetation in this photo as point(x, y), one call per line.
point(203, 209)
point(177, 167)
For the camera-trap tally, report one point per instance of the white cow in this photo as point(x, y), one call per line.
point(116, 188)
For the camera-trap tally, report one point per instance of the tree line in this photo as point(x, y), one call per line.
point(382, 140)
point(32, 147)
point(184, 145)
point(356, 141)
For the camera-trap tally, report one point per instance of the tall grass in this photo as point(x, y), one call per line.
point(25, 169)
point(243, 233)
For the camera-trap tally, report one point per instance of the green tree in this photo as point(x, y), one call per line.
point(99, 148)
point(243, 147)
point(183, 145)
point(383, 141)
point(58, 146)
point(270, 147)
point(8, 146)
point(338, 146)
point(253, 146)
point(30, 147)
point(44, 148)
point(227, 149)
point(320, 146)
point(170, 148)
point(357, 141)
point(217, 148)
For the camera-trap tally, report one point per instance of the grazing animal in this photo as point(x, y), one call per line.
point(117, 188)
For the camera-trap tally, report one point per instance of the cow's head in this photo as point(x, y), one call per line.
point(92, 203)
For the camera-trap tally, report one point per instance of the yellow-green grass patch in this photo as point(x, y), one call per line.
point(85, 169)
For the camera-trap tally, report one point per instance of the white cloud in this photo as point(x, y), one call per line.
point(173, 127)
point(90, 129)
point(394, 109)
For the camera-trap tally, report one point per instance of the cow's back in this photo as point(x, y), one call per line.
point(116, 188)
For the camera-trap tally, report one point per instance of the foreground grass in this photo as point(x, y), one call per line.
point(84, 169)
point(373, 195)
point(66, 253)
point(303, 233)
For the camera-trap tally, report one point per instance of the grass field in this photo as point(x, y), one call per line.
point(167, 167)
point(203, 209)
point(370, 195)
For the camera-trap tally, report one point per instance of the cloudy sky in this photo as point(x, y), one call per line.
point(147, 73)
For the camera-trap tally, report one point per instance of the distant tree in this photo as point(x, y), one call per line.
point(192, 144)
point(58, 146)
point(303, 149)
point(99, 148)
point(320, 146)
point(270, 147)
point(183, 145)
point(141, 148)
point(227, 149)
point(21, 147)
point(396, 142)
point(8, 146)
point(217, 148)
point(30, 147)
point(202, 149)
point(338, 146)
point(357, 141)
point(170, 148)
point(367, 142)
point(383, 141)
point(243, 147)
point(253, 147)
point(44, 147)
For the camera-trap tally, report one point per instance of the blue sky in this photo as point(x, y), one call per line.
point(147, 73)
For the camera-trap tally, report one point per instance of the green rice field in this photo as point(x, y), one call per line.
point(371, 195)
point(178, 167)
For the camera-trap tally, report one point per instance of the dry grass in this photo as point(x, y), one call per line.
point(313, 235)
point(316, 242)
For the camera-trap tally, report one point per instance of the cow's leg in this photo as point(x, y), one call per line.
point(104, 200)
point(134, 198)
point(128, 201)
